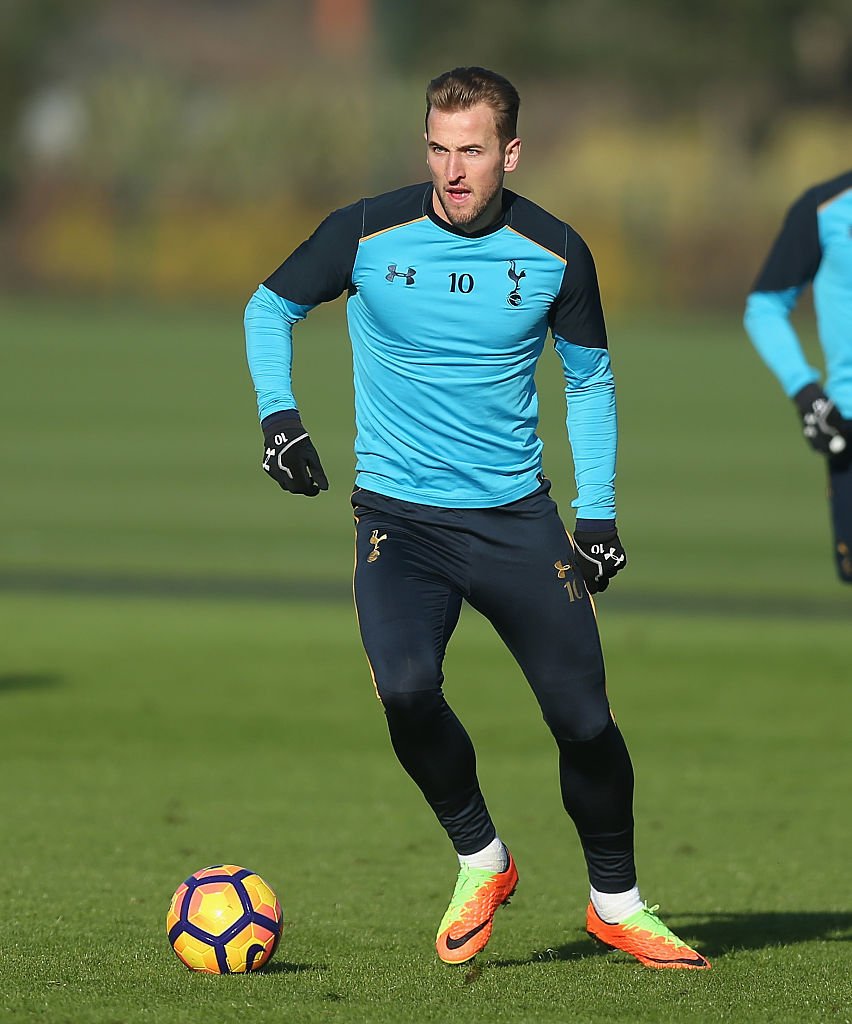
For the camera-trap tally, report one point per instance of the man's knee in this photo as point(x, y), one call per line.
point(400, 672)
point(578, 716)
point(409, 712)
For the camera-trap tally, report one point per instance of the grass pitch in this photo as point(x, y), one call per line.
point(182, 683)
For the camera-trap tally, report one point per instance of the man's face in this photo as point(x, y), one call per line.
point(467, 162)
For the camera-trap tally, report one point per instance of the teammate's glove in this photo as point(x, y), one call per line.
point(822, 423)
point(289, 457)
point(599, 551)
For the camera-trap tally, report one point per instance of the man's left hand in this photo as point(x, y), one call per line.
point(823, 425)
point(599, 551)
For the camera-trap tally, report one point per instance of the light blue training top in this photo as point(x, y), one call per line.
point(814, 245)
point(446, 331)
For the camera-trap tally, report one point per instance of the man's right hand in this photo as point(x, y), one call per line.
point(289, 457)
point(822, 424)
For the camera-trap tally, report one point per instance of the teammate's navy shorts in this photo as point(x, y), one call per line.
point(414, 566)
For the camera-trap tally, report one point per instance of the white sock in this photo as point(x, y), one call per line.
point(615, 907)
point(493, 857)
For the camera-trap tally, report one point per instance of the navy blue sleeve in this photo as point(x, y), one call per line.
point(576, 314)
point(321, 268)
point(318, 271)
point(790, 265)
point(577, 325)
point(795, 255)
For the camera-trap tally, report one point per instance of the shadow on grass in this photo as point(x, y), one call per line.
point(10, 681)
point(833, 607)
point(725, 933)
point(284, 967)
point(719, 933)
point(583, 949)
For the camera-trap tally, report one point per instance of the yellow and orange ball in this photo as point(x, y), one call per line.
point(224, 920)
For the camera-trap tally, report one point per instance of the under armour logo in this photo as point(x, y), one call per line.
point(611, 556)
point(514, 297)
point(816, 420)
point(375, 540)
point(571, 586)
point(270, 453)
point(407, 274)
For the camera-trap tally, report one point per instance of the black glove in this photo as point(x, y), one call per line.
point(289, 457)
point(822, 424)
point(599, 552)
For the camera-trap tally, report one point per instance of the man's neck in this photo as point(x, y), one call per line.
point(490, 215)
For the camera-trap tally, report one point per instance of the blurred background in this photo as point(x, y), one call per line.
point(181, 150)
point(158, 160)
point(181, 676)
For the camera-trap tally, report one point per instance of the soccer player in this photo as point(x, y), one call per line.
point(452, 287)
point(815, 245)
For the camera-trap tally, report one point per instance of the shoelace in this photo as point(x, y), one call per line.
point(466, 881)
point(467, 885)
point(665, 933)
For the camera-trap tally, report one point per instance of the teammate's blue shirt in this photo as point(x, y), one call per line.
point(814, 245)
point(446, 330)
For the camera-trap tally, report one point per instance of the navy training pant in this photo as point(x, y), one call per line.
point(415, 564)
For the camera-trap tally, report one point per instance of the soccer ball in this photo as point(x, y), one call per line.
point(224, 920)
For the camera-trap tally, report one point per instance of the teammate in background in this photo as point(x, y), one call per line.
point(452, 286)
point(815, 245)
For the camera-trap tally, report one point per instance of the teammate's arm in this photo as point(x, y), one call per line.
point(318, 271)
point(791, 264)
point(579, 334)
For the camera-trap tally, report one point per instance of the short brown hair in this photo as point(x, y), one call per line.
point(463, 88)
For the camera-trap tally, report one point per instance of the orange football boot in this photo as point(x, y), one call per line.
point(644, 936)
point(466, 926)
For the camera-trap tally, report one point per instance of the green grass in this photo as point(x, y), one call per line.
point(153, 722)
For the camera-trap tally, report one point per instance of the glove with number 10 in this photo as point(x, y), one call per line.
point(289, 457)
point(823, 426)
point(599, 551)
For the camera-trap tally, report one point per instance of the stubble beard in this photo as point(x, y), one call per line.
point(464, 218)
